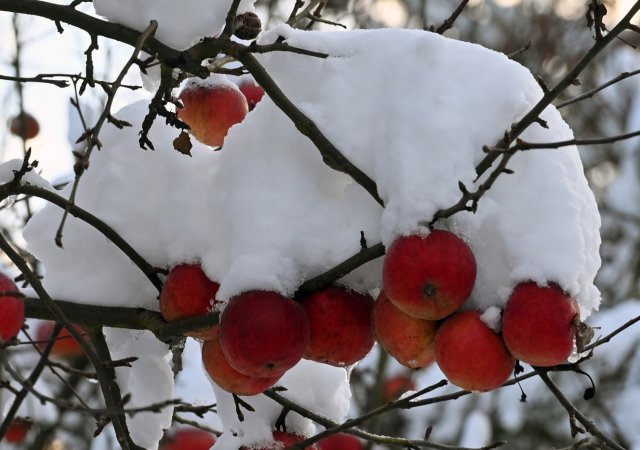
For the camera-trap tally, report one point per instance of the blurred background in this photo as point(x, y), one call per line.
point(546, 36)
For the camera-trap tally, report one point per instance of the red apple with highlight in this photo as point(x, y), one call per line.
point(11, 309)
point(429, 277)
point(472, 355)
point(211, 109)
point(539, 324)
point(225, 376)
point(188, 292)
point(340, 324)
point(263, 334)
point(188, 439)
point(410, 340)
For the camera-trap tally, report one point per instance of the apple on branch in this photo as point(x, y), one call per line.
point(252, 92)
point(410, 340)
point(18, 430)
point(429, 277)
point(225, 376)
point(188, 439)
point(539, 324)
point(340, 324)
point(281, 440)
point(65, 346)
point(263, 334)
point(472, 355)
point(340, 441)
point(211, 107)
point(11, 309)
point(188, 292)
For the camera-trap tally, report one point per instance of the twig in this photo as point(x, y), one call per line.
point(522, 145)
point(330, 154)
point(592, 92)
point(36, 79)
point(448, 23)
point(82, 164)
point(575, 413)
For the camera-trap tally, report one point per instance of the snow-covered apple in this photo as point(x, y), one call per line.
point(263, 334)
point(188, 292)
point(408, 339)
point(340, 441)
point(282, 439)
point(66, 346)
point(539, 324)
point(472, 355)
point(211, 108)
point(18, 430)
point(252, 92)
point(225, 376)
point(429, 277)
point(24, 125)
point(11, 309)
point(188, 439)
point(340, 324)
point(397, 385)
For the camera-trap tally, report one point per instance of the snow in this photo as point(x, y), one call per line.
point(204, 17)
point(492, 318)
point(7, 174)
point(265, 212)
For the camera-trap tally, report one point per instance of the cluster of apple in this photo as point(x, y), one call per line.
point(263, 334)
point(417, 317)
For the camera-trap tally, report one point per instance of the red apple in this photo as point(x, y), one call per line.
point(340, 441)
point(66, 346)
point(538, 324)
point(282, 439)
point(188, 292)
point(429, 277)
point(210, 110)
point(18, 430)
point(397, 385)
point(25, 126)
point(252, 92)
point(226, 376)
point(408, 339)
point(188, 439)
point(340, 324)
point(11, 309)
point(263, 334)
point(472, 355)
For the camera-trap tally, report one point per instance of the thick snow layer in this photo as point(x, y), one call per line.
point(320, 388)
point(180, 24)
point(265, 212)
point(148, 381)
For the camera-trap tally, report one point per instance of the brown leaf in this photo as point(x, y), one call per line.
point(183, 144)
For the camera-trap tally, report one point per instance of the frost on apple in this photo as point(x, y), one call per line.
point(265, 213)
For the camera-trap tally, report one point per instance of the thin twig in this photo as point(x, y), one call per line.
point(592, 92)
